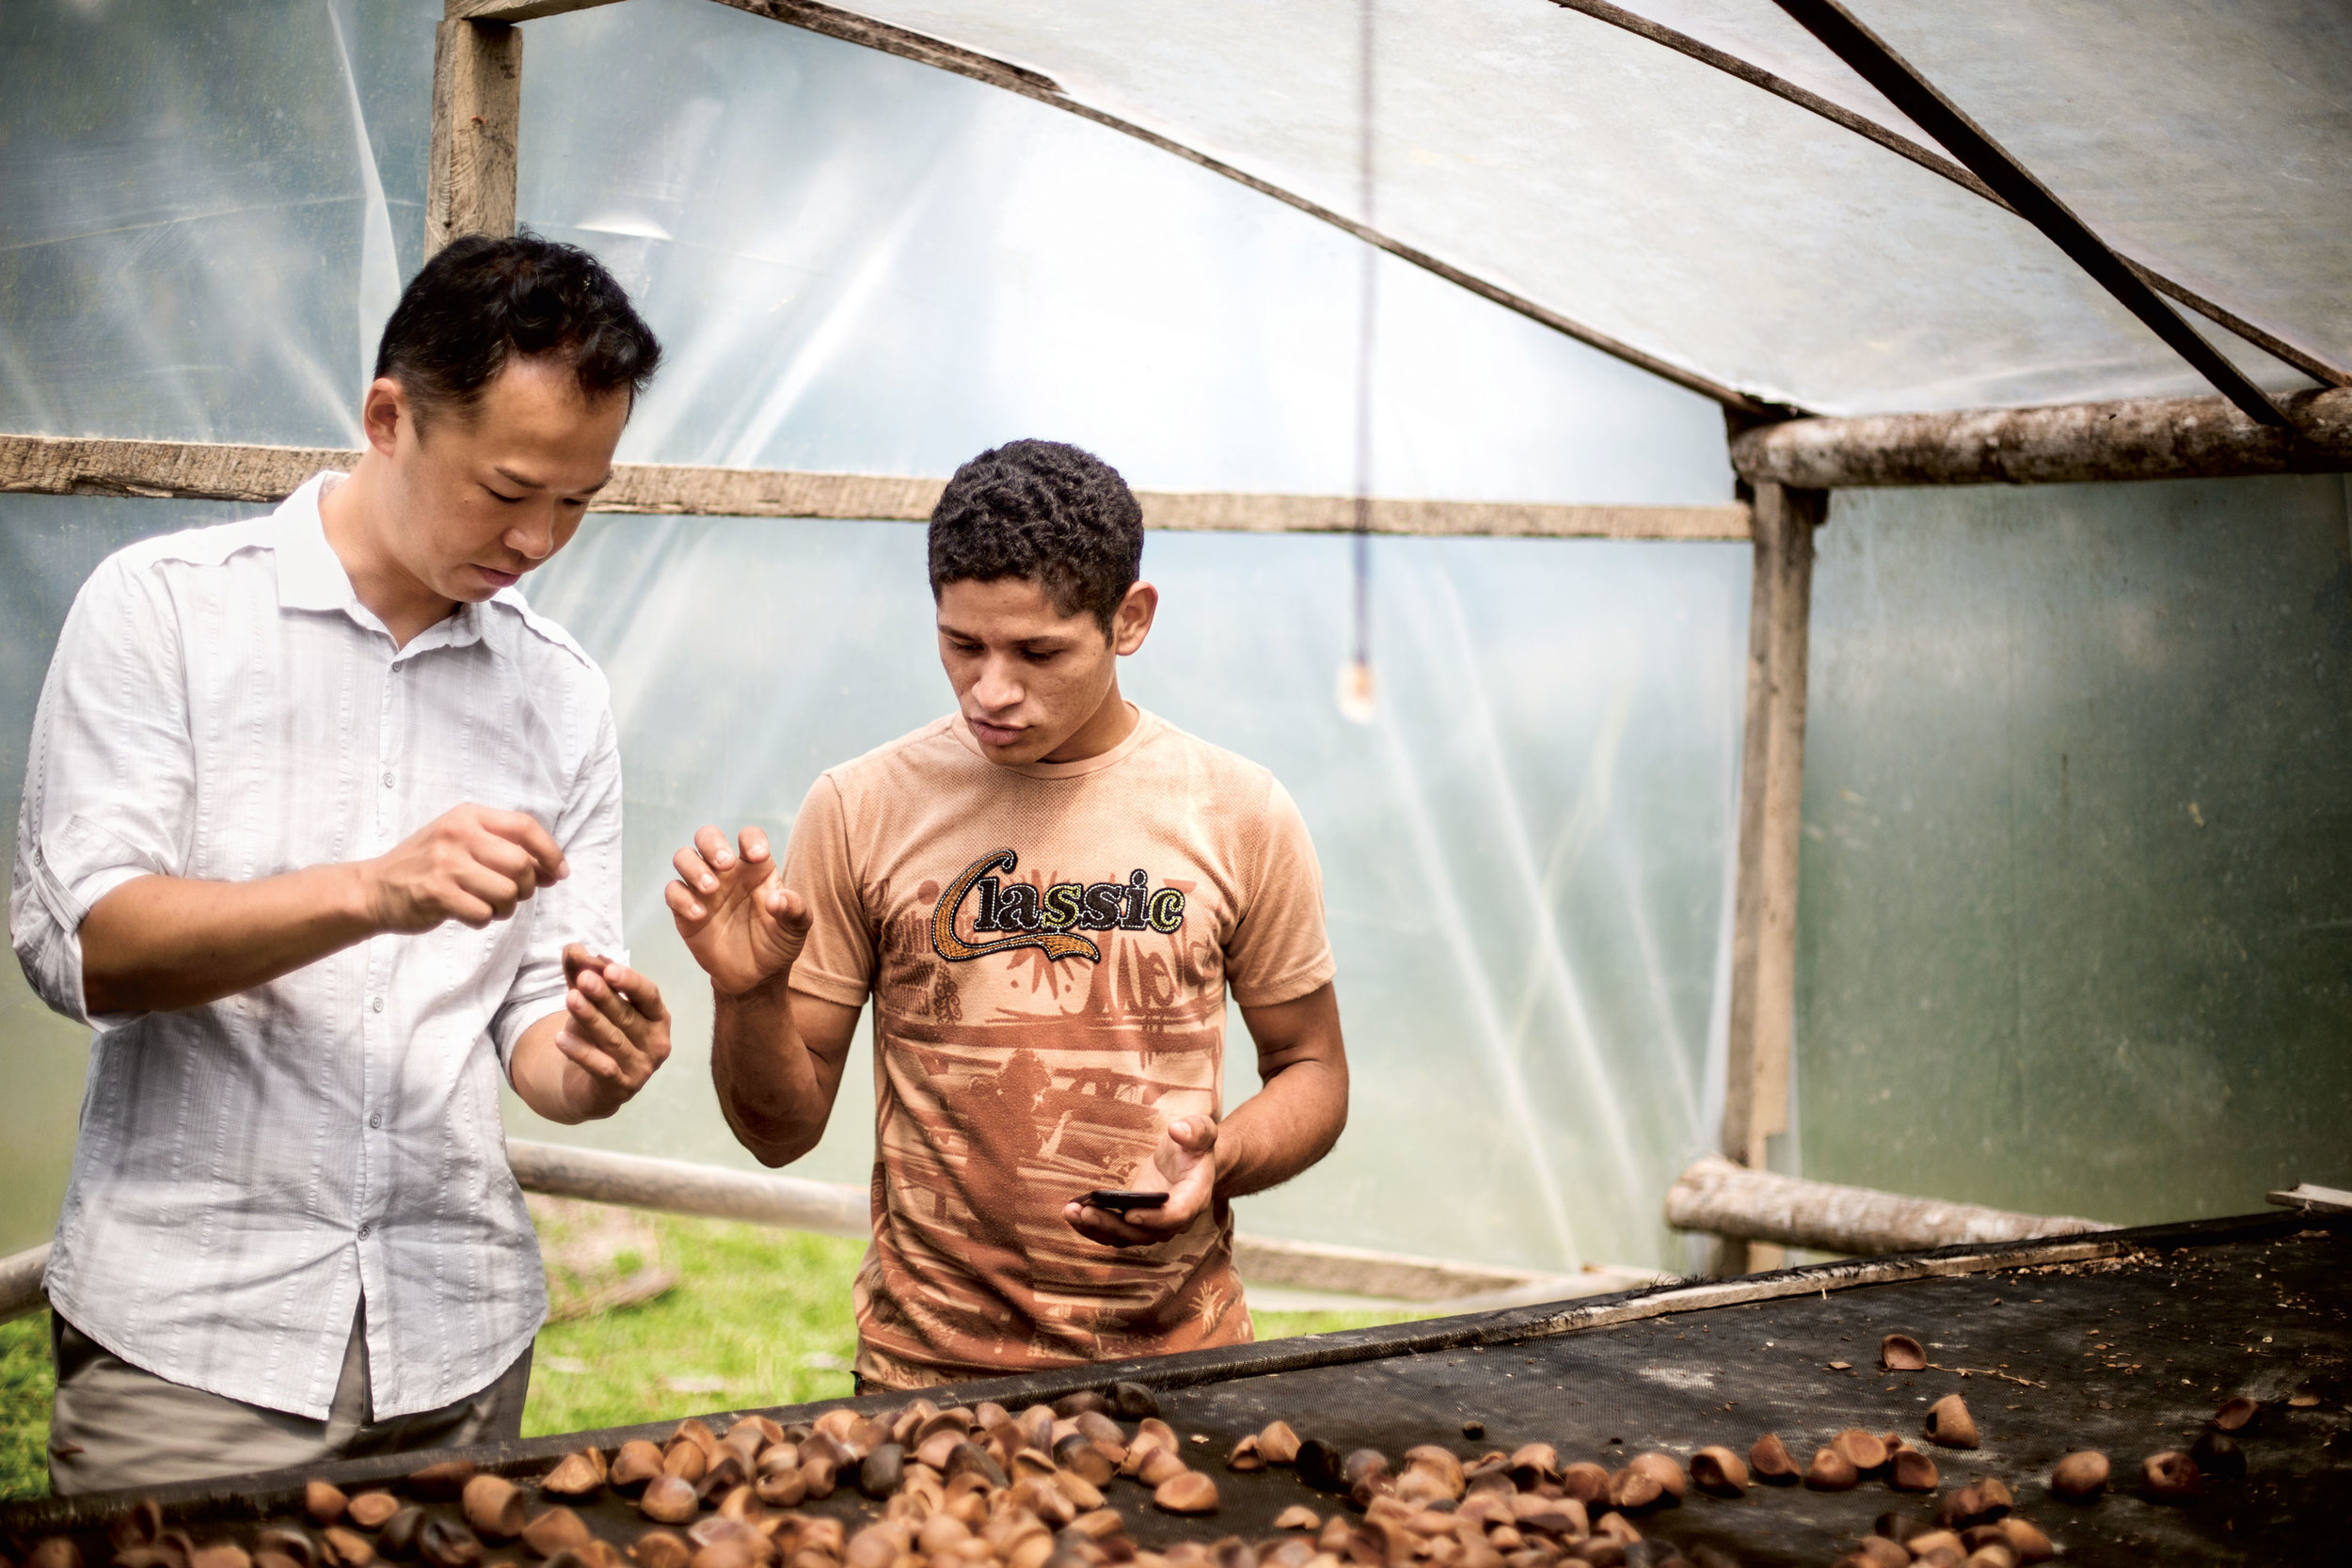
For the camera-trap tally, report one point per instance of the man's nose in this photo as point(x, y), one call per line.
point(534, 537)
point(996, 690)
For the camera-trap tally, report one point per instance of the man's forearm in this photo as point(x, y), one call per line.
point(551, 1083)
point(160, 943)
point(1283, 1128)
point(770, 1086)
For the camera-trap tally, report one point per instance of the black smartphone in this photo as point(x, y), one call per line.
point(1119, 1202)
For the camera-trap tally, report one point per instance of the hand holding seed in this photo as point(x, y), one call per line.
point(1183, 1167)
point(730, 904)
point(615, 1028)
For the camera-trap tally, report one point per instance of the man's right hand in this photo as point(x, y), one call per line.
point(739, 920)
point(471, 864)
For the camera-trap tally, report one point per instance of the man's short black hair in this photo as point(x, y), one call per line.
point(1045, 511)
point(480, 301)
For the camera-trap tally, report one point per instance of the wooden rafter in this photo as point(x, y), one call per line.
point(198, 471)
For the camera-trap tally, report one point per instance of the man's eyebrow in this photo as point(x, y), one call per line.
point(513, 478)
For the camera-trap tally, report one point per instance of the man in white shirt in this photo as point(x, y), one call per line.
point(321, 830)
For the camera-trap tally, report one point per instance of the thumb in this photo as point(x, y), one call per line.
point(787, 910)
point(1195, 1133)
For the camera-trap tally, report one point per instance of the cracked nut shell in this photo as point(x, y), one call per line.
point(1950, 1425)
point(1900, 1353)
point(2083, 1474)
point(1770, 1459)
point(1720, 1471)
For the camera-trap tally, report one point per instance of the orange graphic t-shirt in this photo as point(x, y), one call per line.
point(1048, 948)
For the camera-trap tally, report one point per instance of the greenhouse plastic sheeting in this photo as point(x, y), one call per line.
point(2077, 927)
point(1648, 196)
point(1525, 857)
point(208, 274)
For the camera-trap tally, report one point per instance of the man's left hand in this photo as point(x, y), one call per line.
point(1183, 1167)
point(615, 1028)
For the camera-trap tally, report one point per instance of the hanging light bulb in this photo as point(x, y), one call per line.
point(1358, 693)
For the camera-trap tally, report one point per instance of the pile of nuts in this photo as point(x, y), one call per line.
point(982, 1487)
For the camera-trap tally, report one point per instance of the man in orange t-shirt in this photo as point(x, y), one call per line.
point(1046, 895)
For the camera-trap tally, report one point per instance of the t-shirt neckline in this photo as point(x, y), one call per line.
point(1146, 726)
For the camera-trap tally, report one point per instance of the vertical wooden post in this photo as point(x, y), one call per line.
point(1771, 796)
point(477, 116)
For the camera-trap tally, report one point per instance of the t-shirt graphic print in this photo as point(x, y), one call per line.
point(1049, 949)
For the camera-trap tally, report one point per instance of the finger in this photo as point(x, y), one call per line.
point(685, 906)
point(499, 892)
point(536, 841)
point(754, 843)
point(641, 992)
point(610, 1002)
point(1196, 1134)
point(606, 1034)
point(1100, 1224)
point(715, 848)
point(694, 872)
point(785, 906)
point(592, 1061)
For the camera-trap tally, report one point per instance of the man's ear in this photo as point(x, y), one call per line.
point(381, 413)
point(1131, 622)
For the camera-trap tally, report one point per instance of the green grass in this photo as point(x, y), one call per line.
point(759, 1317)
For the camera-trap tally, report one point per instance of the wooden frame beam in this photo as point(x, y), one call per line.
point(1771, 797)
point(477, 120)
point(198, 470)
point(2074, 443)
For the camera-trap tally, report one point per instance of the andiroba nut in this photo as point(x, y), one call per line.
point(348, 1548)
point(494, 1508)
point(324, 1501)
point(1993, 1498)
point(2218, 1455)
point(1279, 1443)
point(2026, 1539)
point(1831, 1471)
point(1189, 1493)
point(1900, 1353)
point(1720, 1471)
point(1770, 1459)
point(1912, 1471)
point(1863, 1451)
point(401, 1531)
point(442, 1483)
point(557, 1529)
point(2170, 1477)
point(1950, 1425)
point(1297, 1516)
point(1586, 1482)
point(1878, 1552)
point(2234, 1414)
point(661, 1548)
point(1632, 1489)
point(2079, 1474)
point(669, 1500)
point(447, 1544)
point(636, 1463)
point(575, 1475)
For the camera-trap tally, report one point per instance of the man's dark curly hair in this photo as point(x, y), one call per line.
point(480, 301)
point(1045, 511)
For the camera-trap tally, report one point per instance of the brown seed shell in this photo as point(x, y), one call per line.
point(441, 1483)
point(1950, 1425)
point(1630, 1489)
point(347, 1548)
point(494, 1508)
point(1912, 1471)
point(1159, 1467)
point(1864, 1451)
point(1719, 1470)
point(636, 1463)
point(575, 1475)
point(2080, 1475)
point(2168, 1476)
point(661, 1548)
point(1830, 1471)
point(1246, 1455)
point(447, 1544)
point(1770, 1459)
point(1586, 1482)
point(2234, 1414)
point(1878, 1552)
point(1279, 1443)
point(324, 1501)
point(2026, 1539)
point(555, 1531)
point(1297, 1516)
point(1189, 1492)
point(669, 1500)
point(1900, 1353)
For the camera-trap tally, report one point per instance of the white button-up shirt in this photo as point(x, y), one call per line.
point(221, 707)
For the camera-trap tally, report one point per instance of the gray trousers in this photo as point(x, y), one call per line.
point(114, 1425)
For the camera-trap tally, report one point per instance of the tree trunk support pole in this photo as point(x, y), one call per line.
point(477, 117)
point(1771, 796)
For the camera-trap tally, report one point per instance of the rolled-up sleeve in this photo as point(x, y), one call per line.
point(585, 907)
point(110, 778)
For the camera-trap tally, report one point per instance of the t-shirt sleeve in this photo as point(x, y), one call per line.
point(1281, 950)
point(837, 963)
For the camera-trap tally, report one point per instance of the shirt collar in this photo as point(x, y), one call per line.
point(311, 576)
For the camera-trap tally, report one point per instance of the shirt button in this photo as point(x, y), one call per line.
point(363, 1232)
point(388, 781)
point(376, 1006)
point(375, 1120)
